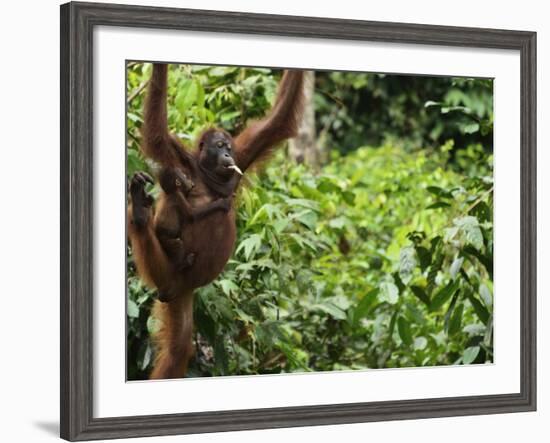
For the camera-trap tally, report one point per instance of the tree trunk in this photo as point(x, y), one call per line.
point(304, 148)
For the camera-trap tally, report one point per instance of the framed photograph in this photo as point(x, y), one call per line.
point(274, 221)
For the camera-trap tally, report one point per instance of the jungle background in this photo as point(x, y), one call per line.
point(367, 242)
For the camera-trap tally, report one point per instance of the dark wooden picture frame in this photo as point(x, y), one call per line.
point(77, 24)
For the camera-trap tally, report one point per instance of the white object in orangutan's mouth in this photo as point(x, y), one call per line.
point(235, 168)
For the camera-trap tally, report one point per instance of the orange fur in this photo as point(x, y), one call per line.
point(173, 339)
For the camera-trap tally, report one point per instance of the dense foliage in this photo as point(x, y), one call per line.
point(356, 109)
point(382, 258)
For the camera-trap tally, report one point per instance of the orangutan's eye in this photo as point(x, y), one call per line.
point(220, 144)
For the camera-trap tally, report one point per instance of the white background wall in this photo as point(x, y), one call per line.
point(29, 224)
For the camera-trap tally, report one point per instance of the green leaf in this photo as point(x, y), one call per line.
point(421, 294)
point(456, 320)
point(480, 310)
point(487, 262)
point(186, 96)
point(132, 309)
point(261, 70)
point(424, 257)
point(470, 128)
point(450, 233)
point(303, 241)
point(220, 71)
point(420, 343)
point(488, 336)
point(455, 267)
point(393, 322)
point(404, 329)
point(266, 211)
point(241, 315)
point(438, 204)
point(389, 292)
point(134, 162)
point(153, 325)
point(431, 103)
point(470, 354)
point(407, 263)
point(228, 116)
point(439, 192)
point(250, 245)
point(482, 211)
point(462, 109)
point(443, 295)
point(200, 94)
point(397, 280)
point(450, 310)
point(228, 287)
point(308, 218)
point(485, 294)
point(469, 226)
point(337, 223)
point(332, 310)
point(327, 185)
point(434, 243)
point(280, 225)
point(364, 306)
point(303, 202)
point(134, 117)
point(349, 197)
point(341, 301)
point(146, 357)
point(376, 262)
point(474, 329)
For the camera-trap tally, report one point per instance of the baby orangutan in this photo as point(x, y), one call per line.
point(177, 186)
